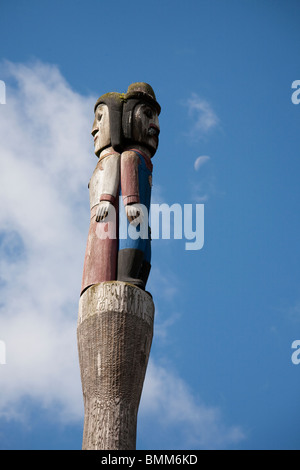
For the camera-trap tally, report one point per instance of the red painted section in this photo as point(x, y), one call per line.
point(107, 197)
point(147, 159)
point(100, 263)
point(130, 177)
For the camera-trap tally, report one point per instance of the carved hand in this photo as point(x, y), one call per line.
point(134, 214)
point(102, 211)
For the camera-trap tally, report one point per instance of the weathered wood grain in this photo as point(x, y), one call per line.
point(115, 330)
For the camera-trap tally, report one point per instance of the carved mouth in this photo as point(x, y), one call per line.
point(95, 132)
point(153, 130)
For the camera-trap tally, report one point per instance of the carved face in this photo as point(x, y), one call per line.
point(145, 126)
point(101, 128)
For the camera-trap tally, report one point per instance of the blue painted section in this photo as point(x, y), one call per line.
point(142, 244)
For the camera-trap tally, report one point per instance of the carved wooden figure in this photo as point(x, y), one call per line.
point(115, 325)
point(125, 132)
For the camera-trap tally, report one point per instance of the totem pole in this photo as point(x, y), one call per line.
point(116, 314)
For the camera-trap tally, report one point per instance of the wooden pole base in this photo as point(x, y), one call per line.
point(114, 333)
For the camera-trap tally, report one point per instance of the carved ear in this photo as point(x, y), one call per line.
point(115, 121)
point(127, 117)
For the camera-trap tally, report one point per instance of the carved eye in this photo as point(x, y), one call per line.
point(149, 113)
point(99, 117)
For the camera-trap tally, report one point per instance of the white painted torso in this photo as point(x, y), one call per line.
point(106, 177)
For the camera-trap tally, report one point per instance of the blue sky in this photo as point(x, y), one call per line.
point(220, 374)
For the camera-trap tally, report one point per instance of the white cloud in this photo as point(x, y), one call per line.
point(47, 160)
point(45, 154)
point(168, 405)
point(203, 116)
point(168, 401)
point(200, 161)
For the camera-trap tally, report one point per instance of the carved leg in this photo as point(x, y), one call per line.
point(144, 272)
point(130, 263)
point(100, 263)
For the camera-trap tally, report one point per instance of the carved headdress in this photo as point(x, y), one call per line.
point(121, 107)
point(137, 93)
